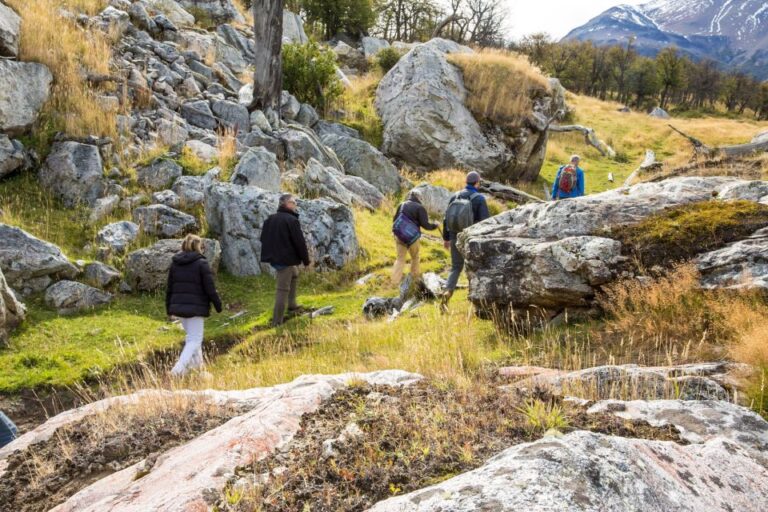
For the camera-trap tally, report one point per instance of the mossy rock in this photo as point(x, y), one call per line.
point(680, 233)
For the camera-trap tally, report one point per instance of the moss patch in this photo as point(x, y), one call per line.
point(680, 233)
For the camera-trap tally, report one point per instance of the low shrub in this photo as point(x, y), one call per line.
point(387, 58)
point(309, 73)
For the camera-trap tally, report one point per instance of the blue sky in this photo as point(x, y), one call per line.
point(556, 17)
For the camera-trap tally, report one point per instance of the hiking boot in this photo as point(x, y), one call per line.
point(444, 299)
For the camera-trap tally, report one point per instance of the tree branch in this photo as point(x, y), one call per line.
point(590, 138)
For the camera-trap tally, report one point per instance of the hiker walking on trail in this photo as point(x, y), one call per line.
point(465, 208)
point(569, 181)
point(284, 248)
point(188, 296)
point(409, 219)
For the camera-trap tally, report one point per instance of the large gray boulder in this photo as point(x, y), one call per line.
point(421, 102)
point(373, 45)
point(236, 215)
point(721, 468)
point(27, 261)
point(160, 174)
point(191, 189)
point(70, 297)
point(12, 311)
point(364, 191)
point(217, 11)
point(100, 275)
point(198, 113)
point(555, 255)
point(163, 221)
point(361, 159)
point(740, 265)
point(74, 173)
point(10, 25)
point(26, 87)
point(12, 155)
point(147, 269)
point(232, 115)
point(320, 181)
point(258, 168)
point(301, 144)
point(118, 235)
point(293, 29)
point(434, 198)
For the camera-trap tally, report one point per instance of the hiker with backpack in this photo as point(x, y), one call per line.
point(283, 246)
point(465, 208)
point(188, 296)
point(409, 219)
point(569, 181)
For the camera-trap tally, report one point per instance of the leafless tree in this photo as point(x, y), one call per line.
point(268, 34)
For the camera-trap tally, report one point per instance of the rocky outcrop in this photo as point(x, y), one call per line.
point(26, 87)
point(434, 198)
point(740, 265)
point(723, 468)
point(373, 45)
point(320, 181)
point(554, 255)
point(12, 311)
point(12, 155)
point(74, 173)
point(258, 168)
point(217, 11)
point(421, 102)
point(361, 159)
point(207, 462)
point(99, 275)
point(293, 28)
point(70, 297)
point(236, 215)
point(118, 235)
point(159, 175)
point(147, 269)
point(301, 144)
point(163, 221)
point(10, 25)
point(31, 264)
point(191, 189)
point(659, 113)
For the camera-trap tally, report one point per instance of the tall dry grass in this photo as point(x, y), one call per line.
point(70, 52)
point(501, 84)
point(356, 106)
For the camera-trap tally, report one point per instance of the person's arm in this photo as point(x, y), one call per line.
point(580, 182)
point(209, 286)
point(264, 229)
point(424, 219)
point(555, 184)
point(446, 233)
point(299, 243)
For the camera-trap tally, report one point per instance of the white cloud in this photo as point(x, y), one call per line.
point(556, 17)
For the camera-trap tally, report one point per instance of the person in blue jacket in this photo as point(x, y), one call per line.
point(578, 189)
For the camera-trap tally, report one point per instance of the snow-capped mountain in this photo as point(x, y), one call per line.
point(734, 32)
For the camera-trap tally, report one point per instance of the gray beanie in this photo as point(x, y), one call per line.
point(473, 178)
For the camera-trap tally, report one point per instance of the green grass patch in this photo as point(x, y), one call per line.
point(679, 233)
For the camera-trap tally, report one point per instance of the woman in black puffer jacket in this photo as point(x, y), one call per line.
point(189, 296)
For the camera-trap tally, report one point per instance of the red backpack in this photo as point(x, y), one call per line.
point(568, 179)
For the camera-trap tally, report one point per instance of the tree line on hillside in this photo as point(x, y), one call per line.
point(620, 73)
point(480, 22)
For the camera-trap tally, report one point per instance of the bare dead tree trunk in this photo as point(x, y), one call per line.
point(507, 193)
point(649, 164)
point(268, 35)
point(446, 21)
point(590, 137)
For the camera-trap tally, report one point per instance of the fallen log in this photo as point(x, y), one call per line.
point(649, 164)
point(733, 151)
point(507, 193)
point(590, 137)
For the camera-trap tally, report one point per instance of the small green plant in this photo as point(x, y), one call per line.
point(309, 73)
point(192, 163)
point(543, 416)
point(387, 58)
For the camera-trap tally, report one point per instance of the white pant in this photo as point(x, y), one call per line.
point(192, 355)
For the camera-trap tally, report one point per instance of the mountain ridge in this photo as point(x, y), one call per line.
point(729, 32)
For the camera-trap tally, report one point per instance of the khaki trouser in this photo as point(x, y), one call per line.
point(402, 252)
point(287, 279)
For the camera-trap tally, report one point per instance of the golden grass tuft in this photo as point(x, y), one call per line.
point(70, 53)
point(356, 103)
point(501, 84)
point(226, 142)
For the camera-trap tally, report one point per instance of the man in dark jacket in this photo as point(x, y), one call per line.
point(479, 213)
point(283, 246)
point(414, 210)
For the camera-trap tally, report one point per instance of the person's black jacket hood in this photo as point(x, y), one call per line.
point(282, 241)
point(191, 289)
